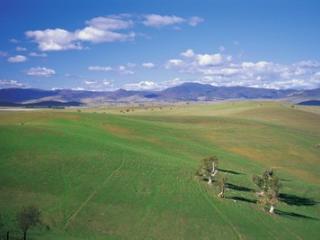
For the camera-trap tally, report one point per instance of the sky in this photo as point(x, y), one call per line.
point(152, 45)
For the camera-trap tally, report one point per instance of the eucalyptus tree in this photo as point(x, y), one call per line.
point(222, 185)
point(208, 169)
point(269, 186)
point(27, 218)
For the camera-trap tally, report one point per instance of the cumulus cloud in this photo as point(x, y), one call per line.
point(97, 85)
point(97, 30)
point(112, 28)
point(41, 72)
point(142, 85)
point(222, 70)
point(87, 82)
point(148, 65)
point(125, 70)
point(4, 83)
point(152, 85)
point(188, 53)
point(110, 23)
point(17, 59)
point(209, 59)
point(100, 68)
point(96, 35)
point(155, 20)
point(54, 39)
point(174, 63)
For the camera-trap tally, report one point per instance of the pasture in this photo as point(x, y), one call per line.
point(106, 173)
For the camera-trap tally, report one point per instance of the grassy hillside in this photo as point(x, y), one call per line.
point(104, 174)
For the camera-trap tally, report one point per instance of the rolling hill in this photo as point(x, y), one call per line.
point(105, 174)
point(183, 92)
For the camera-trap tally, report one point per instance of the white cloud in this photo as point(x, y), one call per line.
point(20, 49)
point(95, 35)
point(107, 83)
point(100, 68)
point(174, 63)
point(188, 53)
point(110, 23)
point(97, 30)
point(54, 39)
point(101, 29)
point(35, 54)
point(4, 83)
point(41, 72)
point(194, 21)
point(155, 20)
point(221, 70)
point(148, 65)
point(143, 85)
point(209, 59)
point(125, 70)
point(89, 82)
point(97, 85)
point(17, 59)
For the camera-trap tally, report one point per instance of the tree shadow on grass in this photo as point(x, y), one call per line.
point(242, 199)
point(295, 215)
point(285, 180)
point(230, 171)
point(238, 187)
point(291, 199)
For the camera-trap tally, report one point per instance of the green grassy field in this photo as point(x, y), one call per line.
point(102, 174)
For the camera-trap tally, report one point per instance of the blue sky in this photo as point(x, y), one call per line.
point(106, 45)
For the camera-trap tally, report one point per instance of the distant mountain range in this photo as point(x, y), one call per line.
point(183, 92)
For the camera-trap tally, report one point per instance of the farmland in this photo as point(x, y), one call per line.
point(109, 173)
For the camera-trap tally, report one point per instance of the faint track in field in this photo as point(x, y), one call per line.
point(74, 215)
point(220, 213)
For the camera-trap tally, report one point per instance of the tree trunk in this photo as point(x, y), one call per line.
point(221, 194)
point(213, 167)
point(25, 235)
point(209, 180)
point(271, 209)
point(8, 235)
point(214, 173)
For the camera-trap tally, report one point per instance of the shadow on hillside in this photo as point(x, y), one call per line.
point(230, 171)
point(285, 180)
point(238, 188)
point(242, 199)
point(296, 215)
point(291, 199)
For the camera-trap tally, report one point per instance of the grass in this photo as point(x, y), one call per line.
point(102, 174)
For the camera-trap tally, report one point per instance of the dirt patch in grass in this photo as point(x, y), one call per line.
point(116, 130)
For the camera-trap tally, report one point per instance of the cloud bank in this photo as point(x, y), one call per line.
point(113, 28)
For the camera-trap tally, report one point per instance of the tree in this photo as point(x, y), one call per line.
point(222, 185)
point(27, 218)
point(269, 186)
point(208, 168)
point(1, 224)
point(7, 224)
